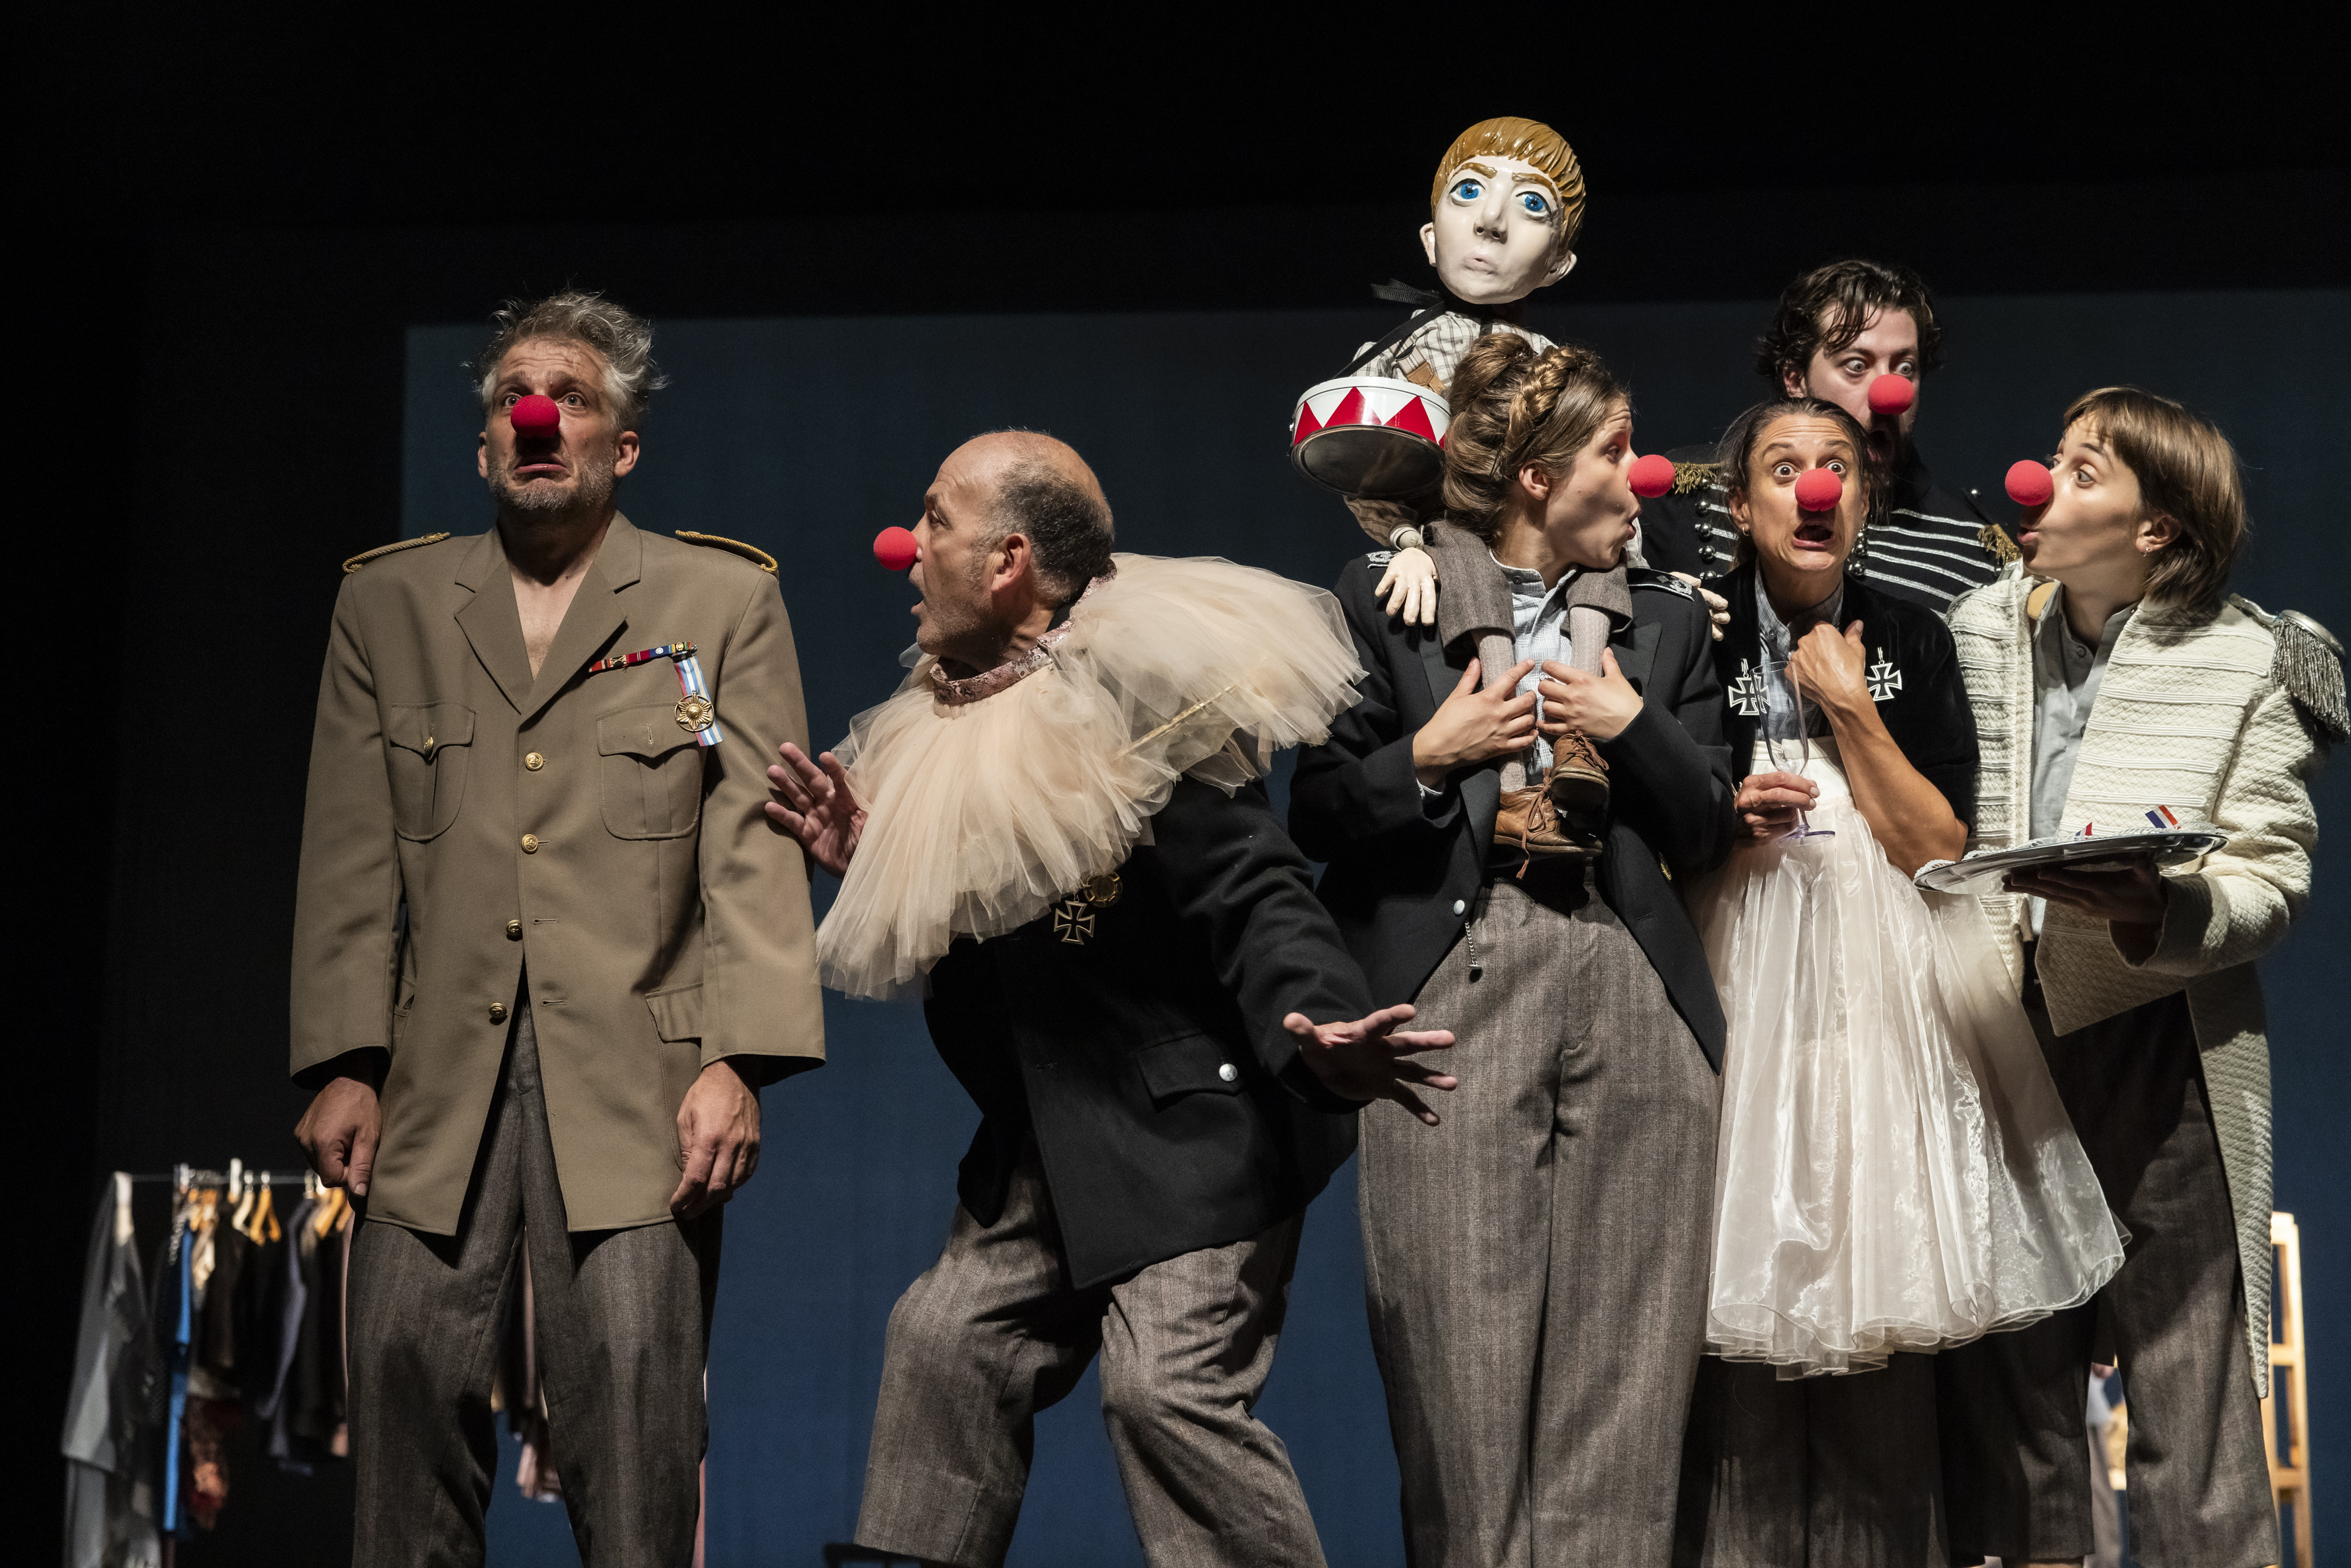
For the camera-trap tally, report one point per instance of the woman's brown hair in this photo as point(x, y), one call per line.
point(2188, 472)
point(1512, 407)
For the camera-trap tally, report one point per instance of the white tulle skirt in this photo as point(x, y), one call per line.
point(1895, 1171)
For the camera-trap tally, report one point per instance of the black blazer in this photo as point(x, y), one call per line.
point(1168, 1102)
point(1402, 876)
point(1914, 672)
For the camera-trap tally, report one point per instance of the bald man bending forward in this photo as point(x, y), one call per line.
point(1160, 1059)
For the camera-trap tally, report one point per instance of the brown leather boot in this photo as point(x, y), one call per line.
point(1578, 786)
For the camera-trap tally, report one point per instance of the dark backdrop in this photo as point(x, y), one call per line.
point(234, 228)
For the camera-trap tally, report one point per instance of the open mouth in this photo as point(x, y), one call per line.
point(1815, 534)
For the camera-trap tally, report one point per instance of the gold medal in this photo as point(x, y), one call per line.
point(1102, 890)
point(695, 714)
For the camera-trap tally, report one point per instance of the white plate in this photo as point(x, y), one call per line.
point(1982, 872)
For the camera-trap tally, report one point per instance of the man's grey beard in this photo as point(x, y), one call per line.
point(589, 495)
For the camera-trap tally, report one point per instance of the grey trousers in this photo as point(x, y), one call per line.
point(2015, 1427)
point(623, 1322)
point(1536, 1266)
point(1814, 1473)
point(992, 1334)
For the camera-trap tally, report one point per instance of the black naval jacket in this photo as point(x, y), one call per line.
point(1141, 1042)
point(1924, 544)
point(1402, 876)
point(1913, 668)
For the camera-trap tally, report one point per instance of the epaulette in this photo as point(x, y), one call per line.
point(394, 547)
point(1994, 539)
point(1664, 581)
point(2308, 663)
point(1690, 478)
point(1379, 557)
point(751, 553)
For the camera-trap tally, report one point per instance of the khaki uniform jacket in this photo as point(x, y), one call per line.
point(567, 821)
point(2190, 714)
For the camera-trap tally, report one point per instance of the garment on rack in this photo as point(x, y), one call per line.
point(521, 1393)
point(317, 1419)
point(257, 1313)
point(109, 1503)
point(273, 1405)
point(174, 1325)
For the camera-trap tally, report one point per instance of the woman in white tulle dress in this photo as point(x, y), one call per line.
point(1895, 1174)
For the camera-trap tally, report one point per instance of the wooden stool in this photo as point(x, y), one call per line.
point(2286, 1414)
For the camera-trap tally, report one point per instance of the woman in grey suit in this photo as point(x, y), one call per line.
point(1536, 1265)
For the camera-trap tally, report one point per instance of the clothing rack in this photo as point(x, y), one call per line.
point(195, 1177)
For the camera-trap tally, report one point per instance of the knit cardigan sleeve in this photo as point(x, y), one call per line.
point(2237, 906)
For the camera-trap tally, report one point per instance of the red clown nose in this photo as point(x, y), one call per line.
point(1892, 395)
point(1652, 475)
point(2029, 484)
point(536, 415)
point(1819, 490)
point(894, 549)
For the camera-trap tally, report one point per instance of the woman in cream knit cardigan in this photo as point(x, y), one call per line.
point(2109, 674)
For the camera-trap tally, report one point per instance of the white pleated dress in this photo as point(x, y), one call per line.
point(1894, 1171)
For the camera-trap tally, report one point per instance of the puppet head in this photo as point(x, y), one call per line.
point(1504, 211)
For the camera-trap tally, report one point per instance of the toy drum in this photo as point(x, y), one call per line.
point(1370, 437)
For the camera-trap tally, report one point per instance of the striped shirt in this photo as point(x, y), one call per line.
point(1928, 545)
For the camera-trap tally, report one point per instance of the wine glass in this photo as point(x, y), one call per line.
point(1784, 740)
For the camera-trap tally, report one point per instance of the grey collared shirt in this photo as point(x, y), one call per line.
point(2066, 676)
point(1538, 631)
point(1780, 638)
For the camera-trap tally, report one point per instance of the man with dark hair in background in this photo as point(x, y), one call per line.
point(546, 949)
point(1837, 329)
point(1057, 830)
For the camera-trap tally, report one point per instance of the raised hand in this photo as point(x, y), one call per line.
point(1831, 667)
point(1717, 607)
point(2130, 892)
point(1577, 700)
point(1367, 1060)
point(817, 807)
point(1472, 726)
point(1766, 803)
point(1409, 586)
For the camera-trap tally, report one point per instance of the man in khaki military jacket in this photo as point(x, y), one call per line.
point(546, 948)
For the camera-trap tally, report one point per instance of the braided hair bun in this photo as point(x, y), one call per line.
point(1514, 406)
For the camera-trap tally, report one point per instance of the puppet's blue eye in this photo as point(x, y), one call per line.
point(1468, 190)
point(1535, 205)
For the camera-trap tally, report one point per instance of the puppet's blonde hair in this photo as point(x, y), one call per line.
point(1531, 141)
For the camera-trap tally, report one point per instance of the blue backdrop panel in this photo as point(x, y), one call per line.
point(806, 436)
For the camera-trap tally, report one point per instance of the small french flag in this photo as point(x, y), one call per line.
point(2162, 818)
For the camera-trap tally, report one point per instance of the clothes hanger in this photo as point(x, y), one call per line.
point(240, 1193)
point(262, 1226)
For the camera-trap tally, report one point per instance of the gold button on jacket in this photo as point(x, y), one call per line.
point(671, 930)
point(533, 761)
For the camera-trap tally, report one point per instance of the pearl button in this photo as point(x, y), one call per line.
point(1460, 906)
point(1228, 1072)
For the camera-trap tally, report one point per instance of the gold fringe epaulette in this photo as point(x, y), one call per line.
point(2308, 663)
point(1690, 478)
point(751, 553)
point(1994, 539)
point(394, 547)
